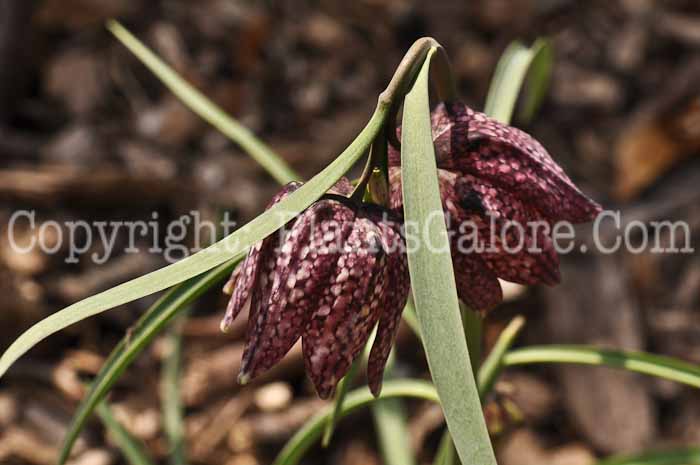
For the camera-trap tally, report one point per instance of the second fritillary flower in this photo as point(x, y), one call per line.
point(501, 183)
point(338, 271)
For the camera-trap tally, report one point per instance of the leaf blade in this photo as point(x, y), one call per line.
point(305, 437)
point(639, 362)
point(209, 258)
point(148, 326)
point(131, 448)
point(433, 283)
point(171, 403)
point(689, 456)
point(205, 108)
point(508, 78)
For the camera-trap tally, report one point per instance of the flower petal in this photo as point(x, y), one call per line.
point(342, 187)
point(512, 239)
point(392, 302)
point(301, 273)
point(477, 285)
point(348, 310)
point(245, 276)
point(511, 159)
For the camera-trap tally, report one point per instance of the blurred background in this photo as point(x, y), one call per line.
point(87, 133)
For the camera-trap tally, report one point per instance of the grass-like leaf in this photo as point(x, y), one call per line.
point(653, 365)
point(433, 283)
point(493, 364)
point(538, 78)
point(171, 404)
point(206, 259)
point(392, 432)
point(446, 454)
point(132, 448)
point(508, 78)
point(690, 456)
point(391, 425)
point(146, 329)
point(338, 400)
point(205, 108)
point(641, 363)
point(305, 437)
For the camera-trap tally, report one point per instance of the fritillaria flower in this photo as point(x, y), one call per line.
point(502, 193)
point(330, 277)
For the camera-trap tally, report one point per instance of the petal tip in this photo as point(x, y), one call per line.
point(244, 378)
point(376, 388)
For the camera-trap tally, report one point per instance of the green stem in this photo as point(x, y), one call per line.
point(313, 429)
point(390, 98)
point(170, 396)
point(493, 365)
point(471, 321)
point(640, 362)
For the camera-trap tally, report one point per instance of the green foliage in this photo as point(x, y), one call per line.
point(433, 283)
point(510, 74)
point(131, 448)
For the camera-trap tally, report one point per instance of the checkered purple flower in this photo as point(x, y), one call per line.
point(491, 177)
point(329, 278)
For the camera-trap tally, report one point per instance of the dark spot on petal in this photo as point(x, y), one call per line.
point(470, 201)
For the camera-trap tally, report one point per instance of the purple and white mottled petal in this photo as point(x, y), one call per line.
point(231, 283)
point(349, 309)
point(477, 285)
point(342, 187)
point(302, 273)
point(395, 193)
point(513, 240)
point(487, 220)
point(247, 273)
point(393, 302)
point(511, 159)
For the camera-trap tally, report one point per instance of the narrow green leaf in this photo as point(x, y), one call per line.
point(538, 78)
point(173, 418)
point(205, 108)
point(493, 364)
point(433, 283)
point(690, 456)
point(305, 437)
point(146, 329)
point(471, 322)
point(654, 365)
point(338, 401)
point(206, 259)
point(508, 79)
point(392, 432)
point(392, 428)
point(132, 448)
point(446, 454)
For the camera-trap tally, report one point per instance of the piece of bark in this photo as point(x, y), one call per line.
point(222, 421)
point(593, 305)
point(663, 133)
point(78, 78)
point(535, 398)
point(104, 186)
point(525, 447)
point(275, 427)
point(216, 371)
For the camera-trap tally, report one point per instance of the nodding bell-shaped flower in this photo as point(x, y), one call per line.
point(330, 277)
point(501, 193)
